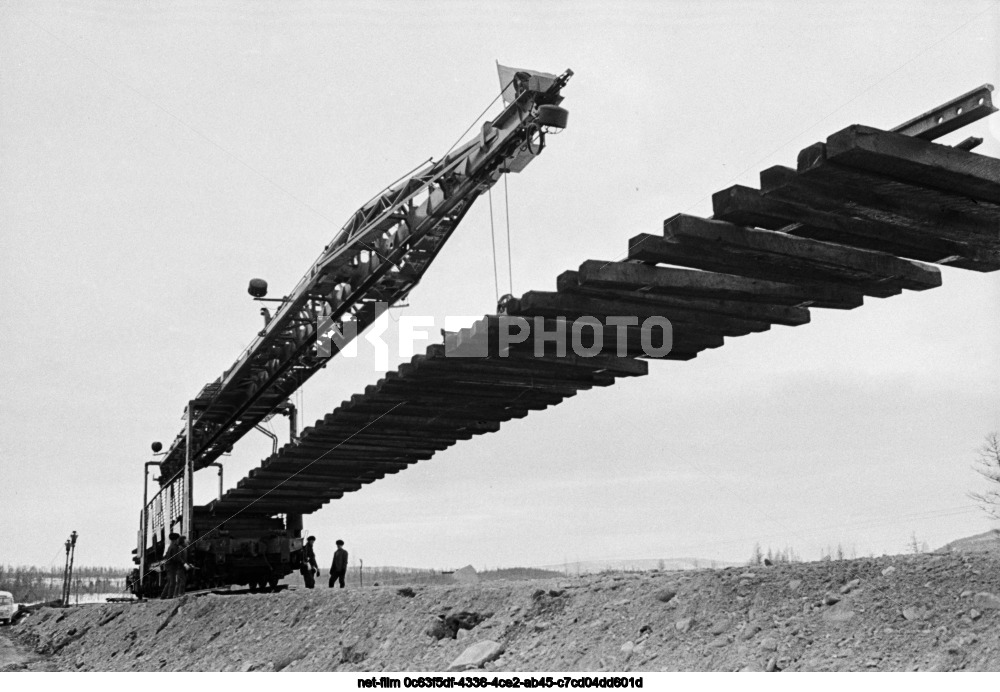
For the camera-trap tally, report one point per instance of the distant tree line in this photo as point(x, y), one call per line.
point(32, 584)
point(519, 573)
point(773, 557)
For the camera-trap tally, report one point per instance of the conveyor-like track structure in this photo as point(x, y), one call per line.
point(866, 213)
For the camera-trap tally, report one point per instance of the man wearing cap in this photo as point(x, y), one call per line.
point(339, 568)
point(309, 569)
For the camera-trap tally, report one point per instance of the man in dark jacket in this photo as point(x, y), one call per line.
point(309, 569)
point(181, 567)
point(170, 562)
point(339, 568)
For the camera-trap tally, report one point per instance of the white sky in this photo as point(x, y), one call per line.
point(155, 156)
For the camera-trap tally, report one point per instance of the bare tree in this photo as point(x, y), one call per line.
point(987, 465)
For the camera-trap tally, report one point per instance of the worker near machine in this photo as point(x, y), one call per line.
point(339, 568)
point(181, 567)
point(169, 562)
point(309, 569)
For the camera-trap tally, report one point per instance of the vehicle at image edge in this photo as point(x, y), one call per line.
point(7, 607)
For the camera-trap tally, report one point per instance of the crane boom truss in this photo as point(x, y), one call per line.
point(373, 262)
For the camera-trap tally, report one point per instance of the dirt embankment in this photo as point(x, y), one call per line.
point(929, 612)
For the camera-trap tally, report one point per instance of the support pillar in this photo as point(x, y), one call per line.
point(144, 531)
point(189, 476)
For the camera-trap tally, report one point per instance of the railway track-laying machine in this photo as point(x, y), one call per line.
point(372, 263)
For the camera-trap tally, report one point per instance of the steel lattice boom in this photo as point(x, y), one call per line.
point(375, 260)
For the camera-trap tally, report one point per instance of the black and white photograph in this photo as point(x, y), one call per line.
point(499, 344)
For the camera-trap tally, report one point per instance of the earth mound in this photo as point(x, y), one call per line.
point(920, 612)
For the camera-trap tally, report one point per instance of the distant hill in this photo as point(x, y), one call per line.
point(646, 565)
point(987, 542)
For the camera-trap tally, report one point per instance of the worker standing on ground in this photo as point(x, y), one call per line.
point(169, 561)
point(309, 569)
point(339, 568)
point(182, 566)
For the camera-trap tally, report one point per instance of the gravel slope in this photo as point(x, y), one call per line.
point(927, 612)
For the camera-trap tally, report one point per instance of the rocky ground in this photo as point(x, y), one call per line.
point(15, 657)
point(924, 612)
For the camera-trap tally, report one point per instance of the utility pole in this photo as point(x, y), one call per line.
point(68, 575)
point(65, 586)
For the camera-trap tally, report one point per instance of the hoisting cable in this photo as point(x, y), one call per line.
point(490, 105)
point(510, 265)
point(493, 246)
point(493, 241)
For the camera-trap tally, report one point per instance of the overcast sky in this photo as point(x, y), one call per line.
point(155, 156)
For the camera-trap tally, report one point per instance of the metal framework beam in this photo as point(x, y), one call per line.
point(950, 116)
